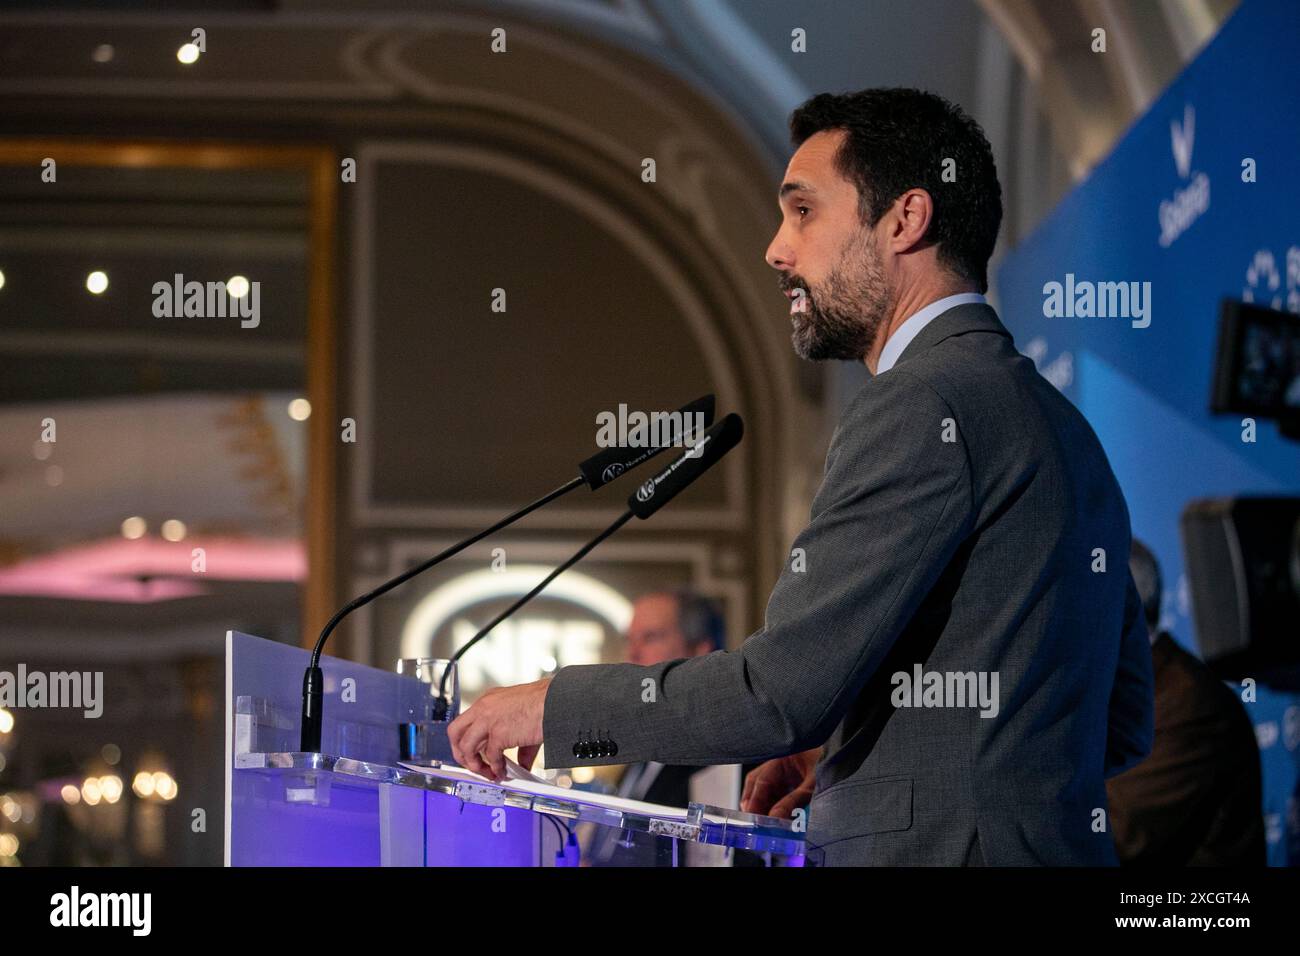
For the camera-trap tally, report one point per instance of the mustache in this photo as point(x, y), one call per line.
point(788, 285)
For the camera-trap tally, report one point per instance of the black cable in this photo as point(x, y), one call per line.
point(560, 831)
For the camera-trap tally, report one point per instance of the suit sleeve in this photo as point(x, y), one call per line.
point(1130, 726)
point(893, 507)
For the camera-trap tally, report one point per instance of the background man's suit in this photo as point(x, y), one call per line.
point(980, 553)
point(1195, 801)
point(672, 786)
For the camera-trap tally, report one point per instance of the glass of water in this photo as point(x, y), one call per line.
point(422, 723)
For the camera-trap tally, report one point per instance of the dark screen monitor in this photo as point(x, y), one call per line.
point(1257, 365)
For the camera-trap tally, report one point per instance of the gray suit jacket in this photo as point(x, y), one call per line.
point(968, 524)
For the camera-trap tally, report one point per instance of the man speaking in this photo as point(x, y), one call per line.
point(960, 659)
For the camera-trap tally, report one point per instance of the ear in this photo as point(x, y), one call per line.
point(910, 217)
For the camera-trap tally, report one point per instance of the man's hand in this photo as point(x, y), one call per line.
point(779, 787)
point(502, 718)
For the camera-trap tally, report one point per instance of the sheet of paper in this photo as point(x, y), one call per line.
point(515, 772)
point(539, 788)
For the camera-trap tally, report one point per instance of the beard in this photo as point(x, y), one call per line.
point(845, 313)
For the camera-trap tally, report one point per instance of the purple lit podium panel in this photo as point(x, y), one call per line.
point(352, 804)
point(356, 804)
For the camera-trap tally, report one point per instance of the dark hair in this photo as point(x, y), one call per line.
point(699, 619)
point(898, 140)
point(1145, 569)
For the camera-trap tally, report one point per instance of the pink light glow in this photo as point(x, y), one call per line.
point(109, 570)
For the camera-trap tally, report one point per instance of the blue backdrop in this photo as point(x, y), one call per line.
point(1171, 207)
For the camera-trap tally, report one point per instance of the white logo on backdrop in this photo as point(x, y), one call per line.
point(1190, 202)
point(1264, 280)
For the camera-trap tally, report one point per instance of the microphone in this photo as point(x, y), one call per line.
point(698, 459)
point(644, 502)
point(600, 469)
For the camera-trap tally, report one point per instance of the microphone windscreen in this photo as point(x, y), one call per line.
point(608, 463)
point(693, 462)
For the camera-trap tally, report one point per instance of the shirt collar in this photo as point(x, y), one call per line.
point(914, 323)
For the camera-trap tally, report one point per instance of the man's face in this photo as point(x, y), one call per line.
point(824, 249)
point(654, 635)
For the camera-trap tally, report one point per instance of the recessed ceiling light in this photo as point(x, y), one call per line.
point(102, 53)
point(97, 282)
point(188, 54)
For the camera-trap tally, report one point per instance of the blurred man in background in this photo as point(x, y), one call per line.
point(665, 626)
point(1196, 800)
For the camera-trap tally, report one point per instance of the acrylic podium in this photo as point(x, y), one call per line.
point(355, 804)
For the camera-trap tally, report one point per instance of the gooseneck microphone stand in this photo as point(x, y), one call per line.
point(643, 503)
point(595, 472)
point(314, 679)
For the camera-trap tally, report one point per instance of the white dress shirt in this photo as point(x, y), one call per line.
point(914, 323)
